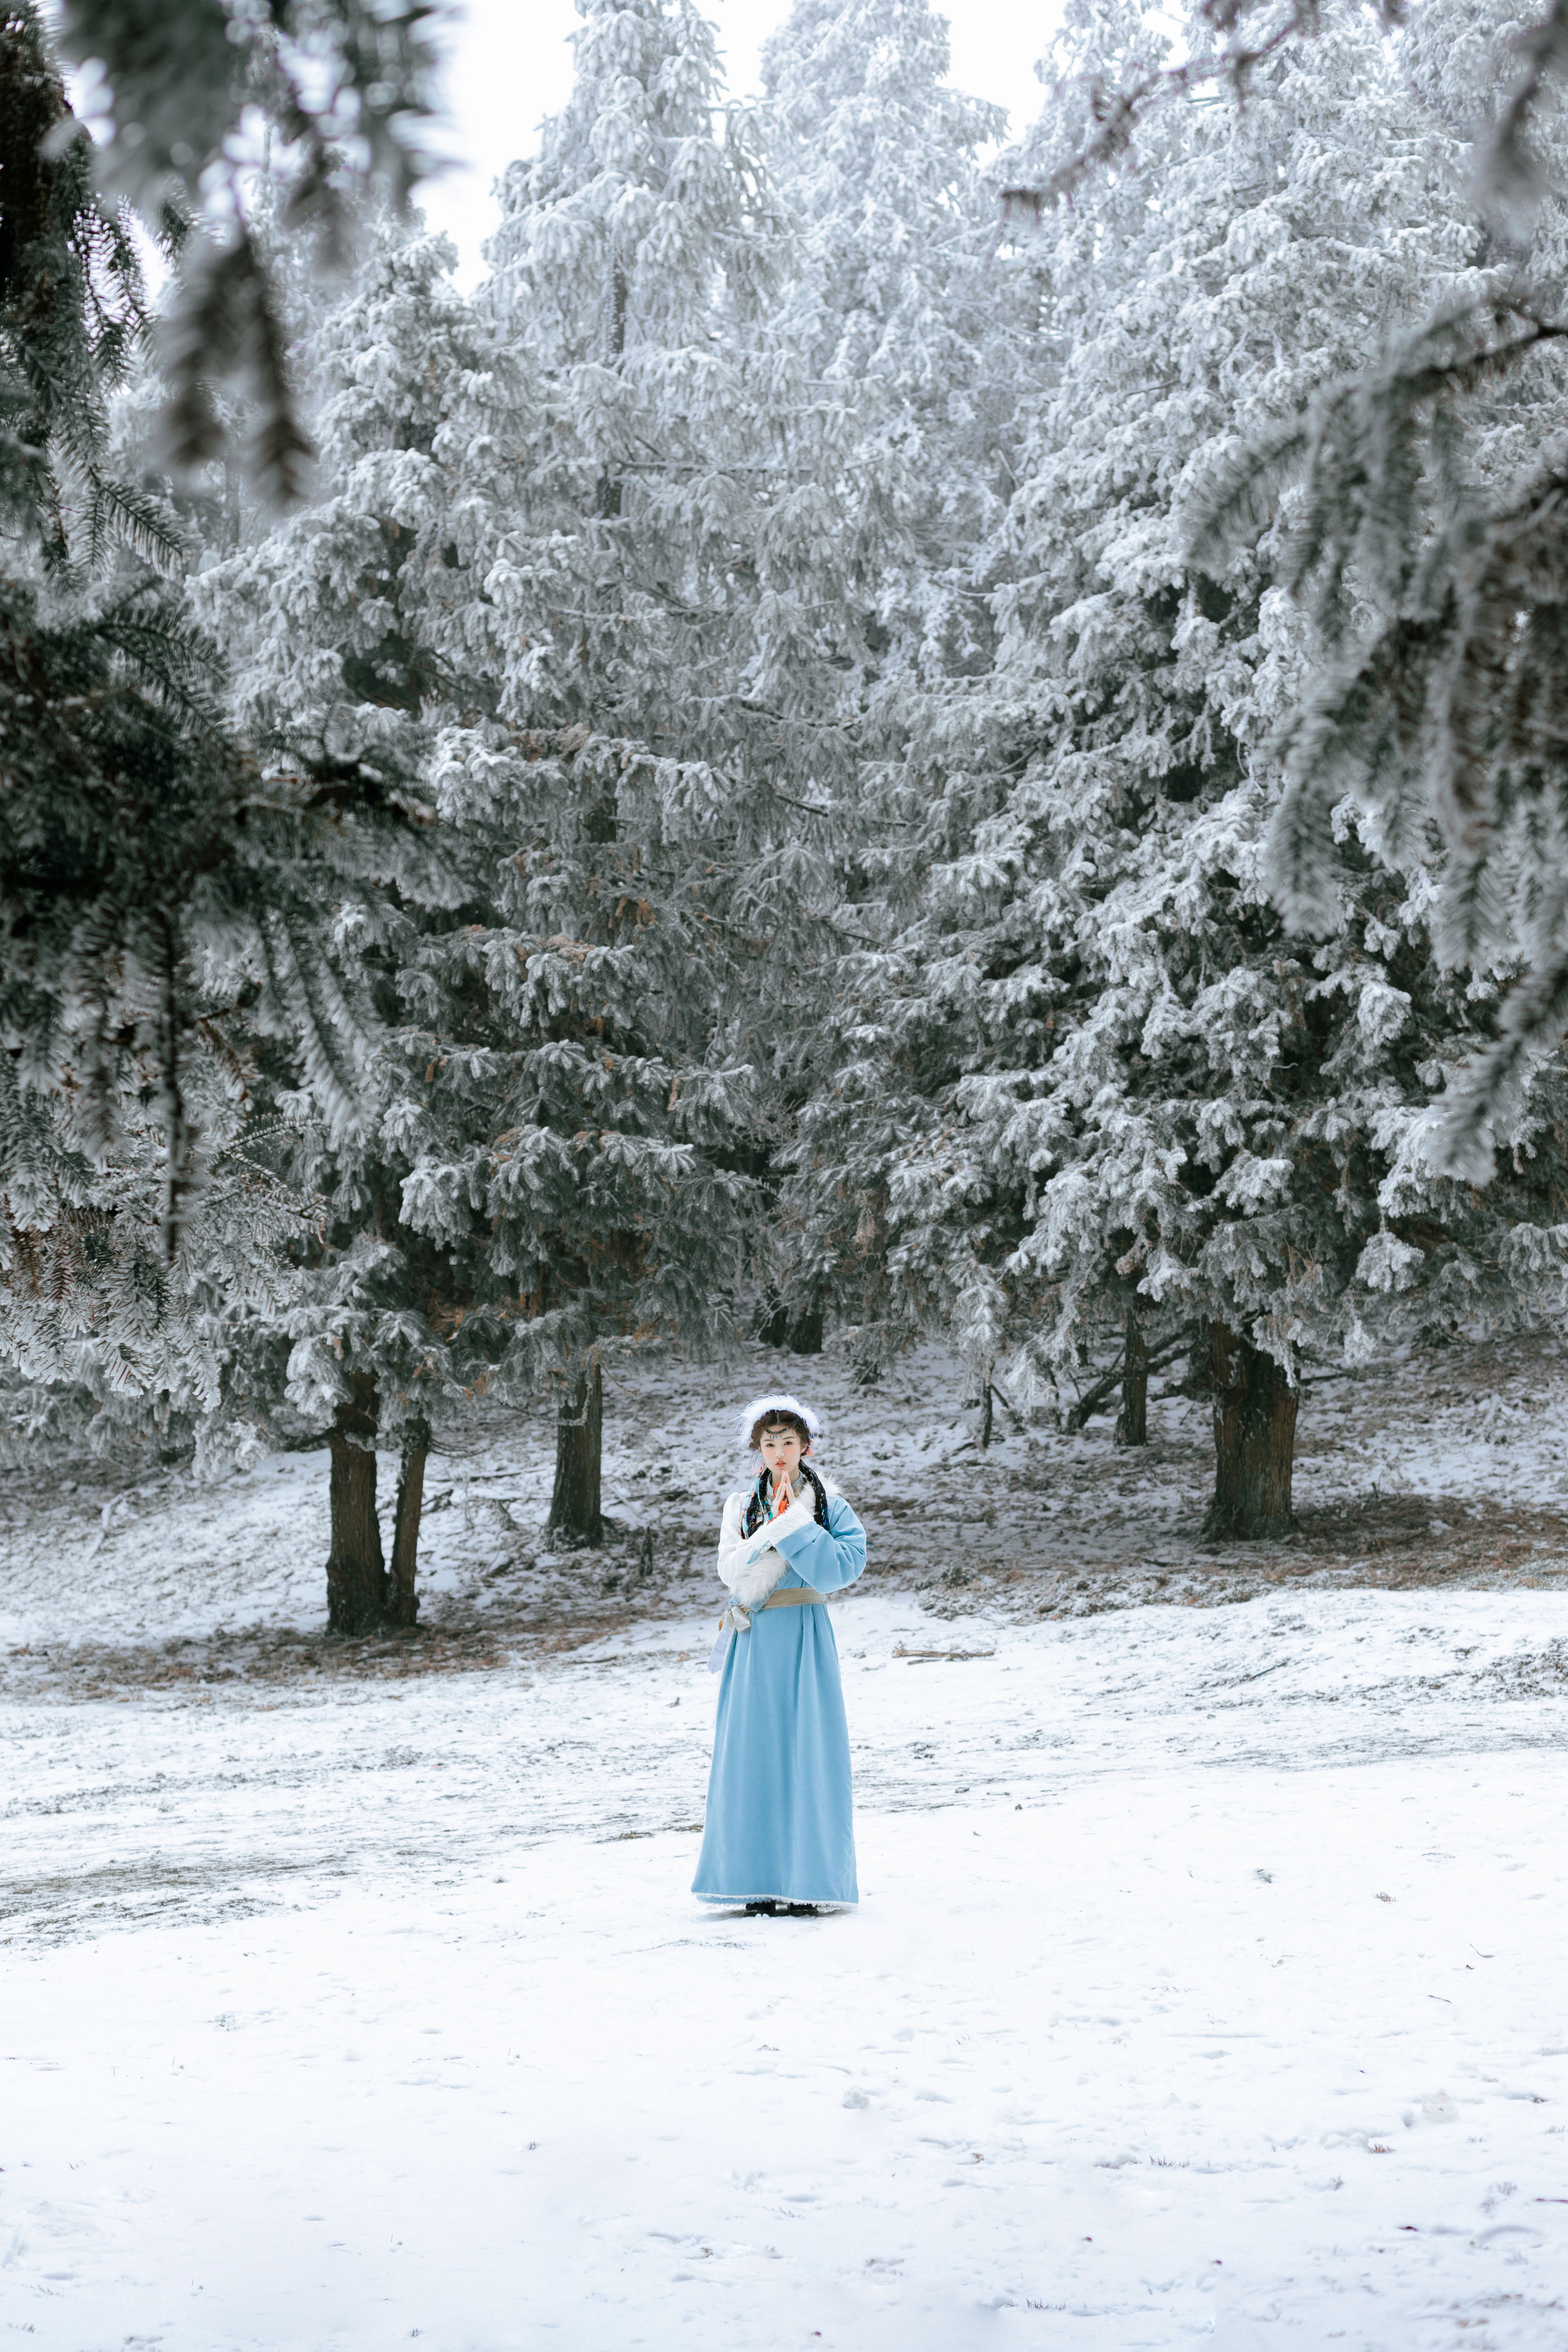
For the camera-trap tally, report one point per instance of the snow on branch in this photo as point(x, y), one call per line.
point(1116, 114)
point(1510, 184)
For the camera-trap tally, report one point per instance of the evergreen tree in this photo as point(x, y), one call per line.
point(1096, 1084)
point(1437, 573)
point(701, 544)
point(177, 88)
point(915, 347)
point(110, 1343)
point(152, 877)
point(549, 1171)
point(634, 266)
point(688, 565)
point(1426, 548)
point(895, 309)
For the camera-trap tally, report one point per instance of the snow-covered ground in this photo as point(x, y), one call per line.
point(1208, 1979)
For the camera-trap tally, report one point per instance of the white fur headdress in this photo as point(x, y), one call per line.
point(760, 1406)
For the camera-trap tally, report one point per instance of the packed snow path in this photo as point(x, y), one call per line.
point(1208, 1980)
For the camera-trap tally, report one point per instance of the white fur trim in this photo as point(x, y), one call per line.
point(733, 1556)
point(802, 1513)
point(744, 1559)
point(759, 1577)
point(751, 1414)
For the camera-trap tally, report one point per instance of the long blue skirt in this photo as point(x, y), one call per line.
point(780, 1817)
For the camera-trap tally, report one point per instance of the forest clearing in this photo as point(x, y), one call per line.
point(1204, 1980)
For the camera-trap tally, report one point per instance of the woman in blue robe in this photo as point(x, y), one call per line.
point(780, 1831)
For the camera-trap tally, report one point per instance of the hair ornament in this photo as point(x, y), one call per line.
point(760, 1407)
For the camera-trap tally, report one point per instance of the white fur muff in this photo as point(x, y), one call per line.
point(750, 1565)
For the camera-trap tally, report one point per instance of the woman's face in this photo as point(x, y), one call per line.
point(782, 1451)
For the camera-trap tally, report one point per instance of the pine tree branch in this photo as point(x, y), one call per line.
point(1093, 1399)
point(1117, 113)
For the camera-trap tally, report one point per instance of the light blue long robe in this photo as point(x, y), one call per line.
point(779, 1820)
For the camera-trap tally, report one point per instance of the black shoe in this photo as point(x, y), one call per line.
point(766, 1910)
point(797, 1910)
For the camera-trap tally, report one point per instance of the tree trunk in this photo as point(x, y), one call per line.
point(607, 489)
point(403, 1600)
point(1254, 1437)
point(987, 1410)
point(356, 1574)
point(805, 1330)
point(575, 1516)
point(1133, 1420)
point(798, 1328)
point(1198, 1378)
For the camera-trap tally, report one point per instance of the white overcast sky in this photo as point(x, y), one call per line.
point(509, 64)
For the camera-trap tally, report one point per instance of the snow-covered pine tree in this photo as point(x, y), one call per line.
point(1439, 573)
point(917, 347)
point(110, 1343)
point(333, 619)
point(343, 96)
point(549, 1174)
point(891, 301)
point(657, 554)
point(1426, 543)
point(1098, 1084)
point(696, 565)
point(149, 877)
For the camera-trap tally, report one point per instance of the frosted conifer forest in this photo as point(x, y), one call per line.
point(913, 763)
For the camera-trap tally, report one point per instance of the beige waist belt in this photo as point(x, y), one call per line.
point(737, 1620)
